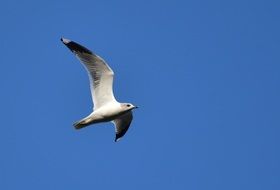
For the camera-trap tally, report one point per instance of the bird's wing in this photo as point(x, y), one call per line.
point(122, 124)
point(100, 74)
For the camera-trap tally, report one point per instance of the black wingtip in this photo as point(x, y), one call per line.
point(117, 139)
point(75, 47)
point(120, 135)
point(65, 41)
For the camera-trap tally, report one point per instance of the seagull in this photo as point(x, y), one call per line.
point(105, 107)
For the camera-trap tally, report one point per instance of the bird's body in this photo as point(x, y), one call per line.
point(106, 113)
point(106, 108)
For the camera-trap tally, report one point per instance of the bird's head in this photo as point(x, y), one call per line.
point(128, 106)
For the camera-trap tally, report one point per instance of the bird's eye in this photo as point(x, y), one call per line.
point(128, 105)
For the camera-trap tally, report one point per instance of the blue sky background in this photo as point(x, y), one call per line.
point(205, 75)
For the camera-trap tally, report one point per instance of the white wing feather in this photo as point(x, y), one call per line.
point(100, 74)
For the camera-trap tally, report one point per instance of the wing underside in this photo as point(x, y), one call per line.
point(122, 124)
point(100, 74)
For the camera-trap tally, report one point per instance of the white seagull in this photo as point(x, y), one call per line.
point(106, 108)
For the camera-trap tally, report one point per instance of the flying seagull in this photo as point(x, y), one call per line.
point(106, 107)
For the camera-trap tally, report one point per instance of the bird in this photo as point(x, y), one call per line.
point(105, 107)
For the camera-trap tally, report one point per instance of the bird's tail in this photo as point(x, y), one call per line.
point(78, 125)
point(81, 123)
point(91, 119)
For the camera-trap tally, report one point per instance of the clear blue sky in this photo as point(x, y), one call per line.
point(205, 75)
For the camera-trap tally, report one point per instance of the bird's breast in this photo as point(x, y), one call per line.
point(109, 112)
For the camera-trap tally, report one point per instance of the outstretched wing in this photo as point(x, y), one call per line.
point(122, 124)
point(100, 74)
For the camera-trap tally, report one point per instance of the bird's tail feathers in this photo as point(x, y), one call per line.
point(81, 124)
